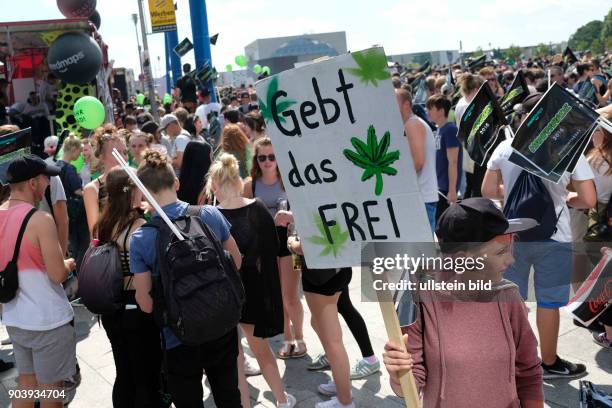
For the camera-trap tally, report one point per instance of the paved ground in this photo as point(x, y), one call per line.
point(98, 371)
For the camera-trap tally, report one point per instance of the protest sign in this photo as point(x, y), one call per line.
point(419, 89)
point(338, 138)
point(479, 126)
point(569, 57)
point(13, 145)
point(516, 94)
point(163, 17)
point(346, 166)
point(183, 47)
point(554, 129)
point(595, 293)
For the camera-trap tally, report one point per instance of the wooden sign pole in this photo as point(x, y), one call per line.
point(387, 308)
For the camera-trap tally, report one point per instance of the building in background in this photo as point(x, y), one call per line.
point(444, 57)
point(282, 53)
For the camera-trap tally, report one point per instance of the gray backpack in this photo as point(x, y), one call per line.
point(101, 278)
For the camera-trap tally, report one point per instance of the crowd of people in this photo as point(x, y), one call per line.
point(214, 162)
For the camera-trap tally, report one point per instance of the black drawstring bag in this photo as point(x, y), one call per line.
point(9, 277)
point(591, 397)
point(529, 198)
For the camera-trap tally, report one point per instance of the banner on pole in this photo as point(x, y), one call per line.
point(347, 168)
point(183, 47)
point(163, 17)
point(479, 126)
point(553, 132)
point(13, 145)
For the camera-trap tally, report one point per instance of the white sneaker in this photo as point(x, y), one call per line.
point(328, 389)
point(251, 367)
point(333, 403)
point(291, 401)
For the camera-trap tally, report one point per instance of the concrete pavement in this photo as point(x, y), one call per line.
point(98, 371)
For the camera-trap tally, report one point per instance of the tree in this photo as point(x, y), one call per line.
point(606, 30)
point(584, 36)
point(597, 47)
point(479, 52)
point(541, 50)
point(513, 52)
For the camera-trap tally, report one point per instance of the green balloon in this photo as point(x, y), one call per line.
point(167, 98)
point(89, 112)
point(241, 61)
point(266, 70)
point(229, 68)
point(257, 69)
point(140, 99)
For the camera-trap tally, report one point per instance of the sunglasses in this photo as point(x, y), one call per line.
point(262, 158)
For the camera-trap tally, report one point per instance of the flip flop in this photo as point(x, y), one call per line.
point(286, 352)
point(298, 354)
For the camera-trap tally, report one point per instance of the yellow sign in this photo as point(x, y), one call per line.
point(162, 15)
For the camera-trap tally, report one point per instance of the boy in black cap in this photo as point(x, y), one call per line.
point(471, 348)
point(39, 316)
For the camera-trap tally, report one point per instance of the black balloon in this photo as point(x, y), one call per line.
point(76, 8)
point(95, 19)
point(75, 58)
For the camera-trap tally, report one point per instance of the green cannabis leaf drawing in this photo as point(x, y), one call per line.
point(373, 157)
point(338, 237)
point(266, 108)
point(372, 66)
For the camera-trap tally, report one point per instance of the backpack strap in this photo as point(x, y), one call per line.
point(48, 200)
point(195, 211)
point(24, 224)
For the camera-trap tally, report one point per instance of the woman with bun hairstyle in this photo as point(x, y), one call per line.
point(254, 231)
point(265, 183)
point(184, 363)
point(94, 193)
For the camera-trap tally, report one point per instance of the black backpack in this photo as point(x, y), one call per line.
point(101, 278)
point(9, 277)
point(197, 291)
point(529, 198)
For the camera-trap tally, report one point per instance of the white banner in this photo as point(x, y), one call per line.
point(345, 163)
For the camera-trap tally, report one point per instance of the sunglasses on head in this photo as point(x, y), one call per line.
point(262, 158)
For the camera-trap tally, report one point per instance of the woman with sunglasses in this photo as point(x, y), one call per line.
point(266, 184)
point(255, 233)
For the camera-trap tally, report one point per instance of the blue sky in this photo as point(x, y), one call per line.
point(400, 26)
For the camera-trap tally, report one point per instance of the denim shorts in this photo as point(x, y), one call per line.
point(431, 215)
point(552, 265)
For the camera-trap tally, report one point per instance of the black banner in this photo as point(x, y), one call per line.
point(554, 129)
point(183, 47)
point(479, 126)
point(516, 94)
point(13, 145)
point(569, 56)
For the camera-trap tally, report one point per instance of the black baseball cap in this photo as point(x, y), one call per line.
point(27, 167)
point(476, 220)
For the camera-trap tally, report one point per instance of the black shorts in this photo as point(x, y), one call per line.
point(337, 283)
point(282, 241)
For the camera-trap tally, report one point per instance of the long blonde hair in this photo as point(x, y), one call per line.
point(602, 153)
point(225, 173)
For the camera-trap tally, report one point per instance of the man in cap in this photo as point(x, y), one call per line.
point(550, 259)
point(39, 317)
point(178, 137)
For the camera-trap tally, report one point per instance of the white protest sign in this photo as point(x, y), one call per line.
point(339, 141)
